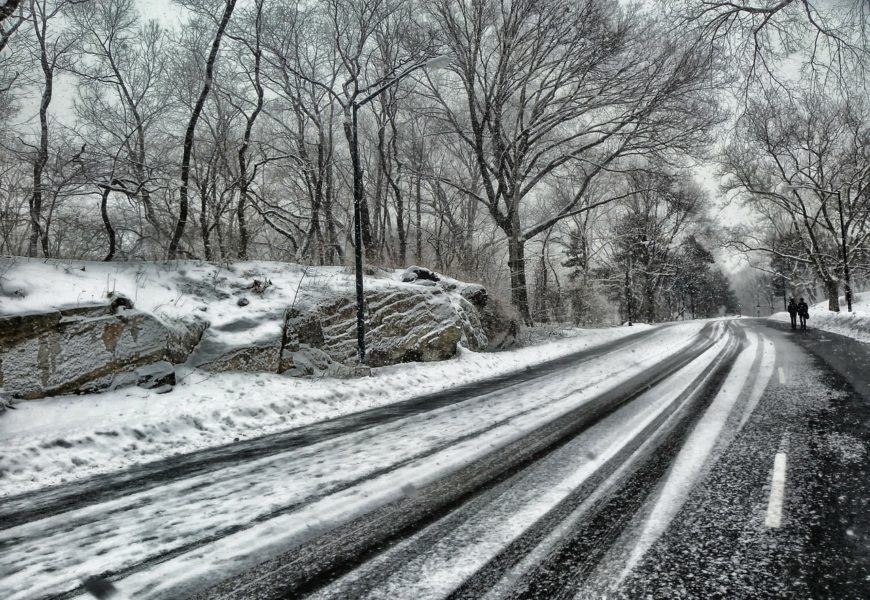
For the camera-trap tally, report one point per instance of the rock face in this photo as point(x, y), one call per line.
point(476, 294)
point(78, 350)
point(255, 358)
point(159, 376)
point(404, 324)
point(500, 327)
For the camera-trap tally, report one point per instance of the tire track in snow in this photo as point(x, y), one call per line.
point(697, 452)
point(154, 560)
point(504, 526)
point(307, 568)
point(43, 503)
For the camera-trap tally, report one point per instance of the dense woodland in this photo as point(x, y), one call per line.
point(548, 148)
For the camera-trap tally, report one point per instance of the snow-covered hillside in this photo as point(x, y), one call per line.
point(177, 291)
point(61, 336)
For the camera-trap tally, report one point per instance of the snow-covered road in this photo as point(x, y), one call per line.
point(463, 495)
point(176, 532)
point(447, 553)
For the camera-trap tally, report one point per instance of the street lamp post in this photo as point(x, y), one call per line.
point(434, 63)
point(628, 289)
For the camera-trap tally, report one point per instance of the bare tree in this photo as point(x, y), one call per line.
point(13, 204)
point(117, 52)
point(659, 211)
point(805, 158)
point(51, 48)
point(189, 133)
point(550, 87)
point(8, 12)
point(303, 72)
point(250, 61)
point(757, 34)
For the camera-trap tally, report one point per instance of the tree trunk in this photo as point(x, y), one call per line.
point(203, 220)
point(377, 232)
point(110, 231)
point(334, 253)
point(393, 181)
point(42, 153)
point(244, 180)
point(418, 200)
point(242, 253)
point(542, 313)
point(832, 289)
point(8, 9)
point(191, 129)
point(517, 267)
point(649, 298)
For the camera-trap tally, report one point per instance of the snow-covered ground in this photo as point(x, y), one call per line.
point(61, 439)
point(855, 324)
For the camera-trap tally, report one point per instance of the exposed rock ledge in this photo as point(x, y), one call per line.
point(83, 349)
point(94, 347)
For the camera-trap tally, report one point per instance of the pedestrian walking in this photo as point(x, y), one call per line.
point(803, 313)
point(792, 312)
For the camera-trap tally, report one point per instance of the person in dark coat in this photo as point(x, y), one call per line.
point(803, 313)
point(792, 312)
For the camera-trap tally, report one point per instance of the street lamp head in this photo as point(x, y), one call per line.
point(439, 62)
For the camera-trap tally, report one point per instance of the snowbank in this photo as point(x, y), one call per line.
point(855, 324)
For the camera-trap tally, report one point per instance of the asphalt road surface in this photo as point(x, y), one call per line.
point(728, 461)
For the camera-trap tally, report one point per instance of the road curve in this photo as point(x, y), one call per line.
point(725, 460)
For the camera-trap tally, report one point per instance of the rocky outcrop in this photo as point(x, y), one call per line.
point(476, 294)
point(404, 324)
point(423, 321)
point(80, 349)
point(183, 338)
point(89, 348)
point(261, 357)
point(159, 376)
point(500, 327)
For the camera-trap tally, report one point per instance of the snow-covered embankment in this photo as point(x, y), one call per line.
point(855, 324)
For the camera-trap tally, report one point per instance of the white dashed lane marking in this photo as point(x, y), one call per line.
point(777, 492)
point(781, 375)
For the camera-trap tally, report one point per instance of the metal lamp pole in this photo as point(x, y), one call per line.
point(358, 193)
point(628, 289)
